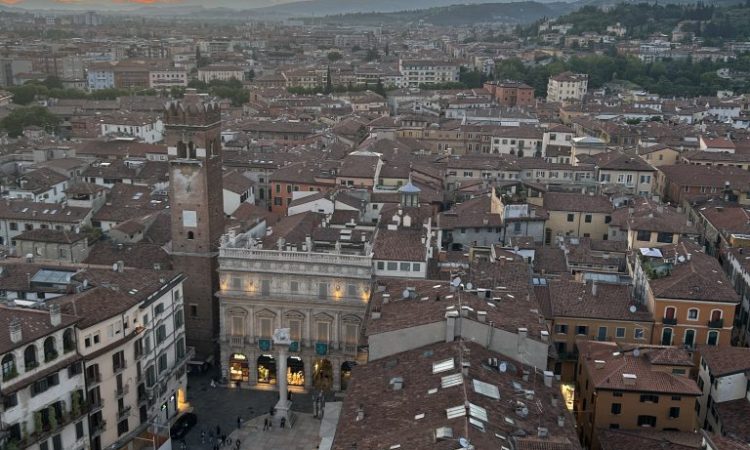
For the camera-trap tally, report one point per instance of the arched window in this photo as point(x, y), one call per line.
point(713, 338)
point(69, 343)
point(9, 367)
point(181, 150)
point(29, 357)
point(50, 349)
point(693, 314)
point(666, 336)
point(689, 338)
point(669, 312)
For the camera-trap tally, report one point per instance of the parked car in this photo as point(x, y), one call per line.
point(183, 424)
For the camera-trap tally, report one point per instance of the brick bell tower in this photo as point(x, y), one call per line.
point(193, 138)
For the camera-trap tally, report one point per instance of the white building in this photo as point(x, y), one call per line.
point(44, 404)
point(567, 86)
point(311, 279)
point(144, 127)
point(167, 78)
point(223, 73)
point(101, 76)
point(416, 71)
point(724, 377)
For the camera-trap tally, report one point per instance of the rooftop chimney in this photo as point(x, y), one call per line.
point(593, 288)
point(15, 331)
point(360, 412)
point(54, 315)
point(599, 363)
point(482, 316)
point(548, 376)
point(120, 266)
point(450, 326)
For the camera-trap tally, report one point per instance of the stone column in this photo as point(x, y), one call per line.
point(308, 361)
point(283, 405)
point(336, 374)
point(252, 366)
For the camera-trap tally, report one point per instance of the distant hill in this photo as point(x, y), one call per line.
point(466, 14)
point(318, 8)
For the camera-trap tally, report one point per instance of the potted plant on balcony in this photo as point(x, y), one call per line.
point(75, 404)
point(52, 418)
point(38, 423)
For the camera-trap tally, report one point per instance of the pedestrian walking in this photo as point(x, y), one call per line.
point(203, 436)
point(239, 422)
point(265, 424)
point(237, 444)
point(223, 439)
point(283, 422)
point(218, 431)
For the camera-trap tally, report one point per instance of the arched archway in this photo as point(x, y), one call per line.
point(346, 373)
point(295, 371)
point(50, 349)
point(239, 369)
point(323, 375)
point(69, 343)
point(266, 369)
point(29, 357)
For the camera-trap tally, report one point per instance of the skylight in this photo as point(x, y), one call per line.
point(443, 366)
point(486, 389)
point(456, 411)
point(451, 380)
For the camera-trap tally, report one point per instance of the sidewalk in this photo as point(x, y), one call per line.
point(304, 435)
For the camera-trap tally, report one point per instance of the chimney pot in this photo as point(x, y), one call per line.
point(54, 315)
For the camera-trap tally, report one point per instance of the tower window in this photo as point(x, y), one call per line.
point(190, 235)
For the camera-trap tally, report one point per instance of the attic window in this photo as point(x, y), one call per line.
point(477, 412)
point(486, 389)
point(456, 411)
point(443, 366)
point(451, 380)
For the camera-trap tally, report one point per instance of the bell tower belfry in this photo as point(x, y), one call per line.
point(193, 137)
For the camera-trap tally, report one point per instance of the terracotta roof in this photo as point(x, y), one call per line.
point(550, 260)
point(699, 278)
point(648, 440)
point(733, 417)
point(28, 210)
point(50, 235)
point(476, 212)
point(432, 299)
point(293, 229)
point(359, 166)
point(570, 298)
point(142, 255)
point(236, 182)
point(618, 362)
point(95, 305)
point(726, 360)
point(410, 416)
point(400, 245)
point(562, 201)
point(645, 214)
point(35, 324)
point(621, 161)
point(710, 176)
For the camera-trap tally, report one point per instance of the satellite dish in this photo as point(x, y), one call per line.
point(637, 352)
point(633, 309)
point(405, 294)
point(114, 267)
point(681, 258)
point(464, 442)
point(456, 282)
point(469, 286)
point(503, 367)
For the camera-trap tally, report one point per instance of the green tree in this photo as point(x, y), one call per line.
point(329, 82)
point(334, 56)
point(20, 118)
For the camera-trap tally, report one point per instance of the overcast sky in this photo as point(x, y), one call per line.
point(126, 4)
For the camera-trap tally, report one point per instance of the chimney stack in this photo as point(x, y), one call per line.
point(54, 315)
point(16, 334)
point(120, 267)
point(593, 288)
point(450, 326)
point(548, 376)
point(360, 412)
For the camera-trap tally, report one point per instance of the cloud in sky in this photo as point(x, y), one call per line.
point(51, 3)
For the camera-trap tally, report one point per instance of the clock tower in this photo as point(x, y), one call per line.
point(193, 138)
